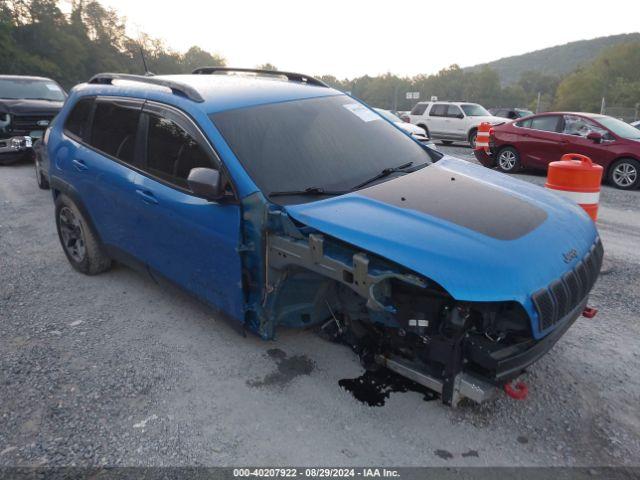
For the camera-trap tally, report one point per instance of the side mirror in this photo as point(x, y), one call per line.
point(460, 115)
point(206, 183)
point(595, 137)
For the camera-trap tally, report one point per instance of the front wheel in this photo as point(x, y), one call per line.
point(472, 138)
point(79, 243)
point(43, 182)
point(508, 160)
point(625, 174)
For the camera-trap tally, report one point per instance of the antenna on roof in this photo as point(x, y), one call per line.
point(144, 62)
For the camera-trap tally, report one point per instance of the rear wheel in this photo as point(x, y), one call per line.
point(625, 174)
point(508, 160)
point(79, 243)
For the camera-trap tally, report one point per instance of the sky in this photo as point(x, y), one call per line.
point(353, 38)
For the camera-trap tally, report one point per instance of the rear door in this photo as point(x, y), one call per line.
point(541, 141)
point(101, 168)
point(189, 240)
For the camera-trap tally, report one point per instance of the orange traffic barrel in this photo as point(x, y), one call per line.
point(576, 177)
point(482, 136)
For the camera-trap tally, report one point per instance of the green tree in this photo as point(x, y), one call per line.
point(267, 66)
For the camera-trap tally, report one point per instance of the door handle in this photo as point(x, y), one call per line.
point(147, 197)
point(79, 165)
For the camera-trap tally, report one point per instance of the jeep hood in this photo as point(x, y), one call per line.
point(481, 235)
point(30, 107)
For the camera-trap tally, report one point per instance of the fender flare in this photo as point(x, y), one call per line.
point(59, 186)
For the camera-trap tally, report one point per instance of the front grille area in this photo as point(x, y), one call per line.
point(563, 295)
point(23, 124)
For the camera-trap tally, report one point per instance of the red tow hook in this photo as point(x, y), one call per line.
point(589, 312)
point(519, 391)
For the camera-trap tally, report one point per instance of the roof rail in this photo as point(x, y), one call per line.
point(292, 77)
point(176, 87)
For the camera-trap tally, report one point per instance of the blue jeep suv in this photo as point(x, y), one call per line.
point(283, 202)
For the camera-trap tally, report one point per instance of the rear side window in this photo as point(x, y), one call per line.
point(114, 129)
point(438, 110)
point(419, 109)
point(77, 123)
point(172, 152)
point(547, 123)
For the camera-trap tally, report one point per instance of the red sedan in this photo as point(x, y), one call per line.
point(535, 141)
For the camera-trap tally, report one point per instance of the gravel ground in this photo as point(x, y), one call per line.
point(116, 370)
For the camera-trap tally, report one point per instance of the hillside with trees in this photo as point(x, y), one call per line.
point(555, 61)
point(38, 38)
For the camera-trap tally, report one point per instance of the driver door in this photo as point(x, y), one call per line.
point(576, 129)
point(189, 240)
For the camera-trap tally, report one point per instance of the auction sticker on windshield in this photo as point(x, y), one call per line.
point(362, 112)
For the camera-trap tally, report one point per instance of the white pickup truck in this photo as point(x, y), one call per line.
point(452, 121)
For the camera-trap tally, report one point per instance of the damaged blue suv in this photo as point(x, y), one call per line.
point(283, 202)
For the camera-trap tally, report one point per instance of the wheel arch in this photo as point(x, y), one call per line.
point(60, 187)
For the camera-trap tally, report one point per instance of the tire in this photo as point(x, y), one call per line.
point(472, 138)
point(79, 242)
point(624, 174)
point(446, 142)
point(508, 160)
point(43, 182)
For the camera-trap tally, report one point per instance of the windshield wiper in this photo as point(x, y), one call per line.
point(308, 191)
point(384, 173)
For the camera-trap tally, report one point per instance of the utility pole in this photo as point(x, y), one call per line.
point(602, 106)
point(395, 97)
point(538, 104)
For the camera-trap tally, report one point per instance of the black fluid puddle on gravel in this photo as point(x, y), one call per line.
point(375, 387)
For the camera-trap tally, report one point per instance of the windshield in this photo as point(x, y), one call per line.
point(388, 115)
point(20, 88)
point(333, 143)
point(620, 128)
point(474, 110)
point(523, 113)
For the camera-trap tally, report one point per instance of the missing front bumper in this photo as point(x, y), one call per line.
point(464, 385)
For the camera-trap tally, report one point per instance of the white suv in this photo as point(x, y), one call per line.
point(452, 121)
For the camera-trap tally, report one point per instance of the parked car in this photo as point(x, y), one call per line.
point(512, 113)
point(27, 106)
point(285, 203)
point(534, 142)
point(416, 132)
point(451, 121)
